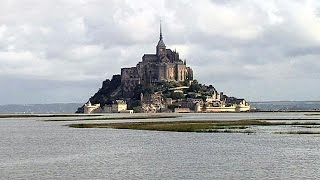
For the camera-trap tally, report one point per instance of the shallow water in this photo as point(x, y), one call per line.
point(33, 149)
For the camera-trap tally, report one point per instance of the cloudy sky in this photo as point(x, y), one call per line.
point(62, 50)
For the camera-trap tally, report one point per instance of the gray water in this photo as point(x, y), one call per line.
point(33, 149)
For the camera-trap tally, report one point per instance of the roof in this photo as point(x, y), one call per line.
point(161, 43)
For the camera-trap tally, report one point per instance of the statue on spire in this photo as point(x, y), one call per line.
point(160, 31)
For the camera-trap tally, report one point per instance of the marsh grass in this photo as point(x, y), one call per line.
point(227, 131)
point(237, 126)
point(288, 119)
point(181, 126)
point(304, 123)
point(298, 132)
point(306, 126)
point(313, 114)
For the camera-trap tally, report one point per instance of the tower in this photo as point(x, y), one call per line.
point(161, 47)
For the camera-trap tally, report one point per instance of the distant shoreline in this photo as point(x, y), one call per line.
point(283, 111)
point(46, 115)
point(152, 114)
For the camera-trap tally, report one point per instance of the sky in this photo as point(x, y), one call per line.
point(54, 51)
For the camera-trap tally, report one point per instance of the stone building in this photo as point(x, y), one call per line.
point(91, 108)
point(116, 107)
point(153, 103)
point(164, 65)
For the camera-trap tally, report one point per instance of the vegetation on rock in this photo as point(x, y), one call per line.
point(110, 91)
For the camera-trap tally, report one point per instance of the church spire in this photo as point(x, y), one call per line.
point(160, 31)
point(161, 47)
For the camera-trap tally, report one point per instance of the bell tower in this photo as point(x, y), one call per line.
point(161, 47)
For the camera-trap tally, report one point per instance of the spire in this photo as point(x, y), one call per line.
point(160, 31)
point(161, 44)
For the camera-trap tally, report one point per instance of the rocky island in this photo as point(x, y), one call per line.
point(161, 82)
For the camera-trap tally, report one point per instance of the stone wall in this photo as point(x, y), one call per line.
point(129, 78)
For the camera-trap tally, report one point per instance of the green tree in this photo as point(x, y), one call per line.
point(177, 95)
point(137, 109)
point(195, 86)
point(145, 89)
point(172, 106)
point(191, 95)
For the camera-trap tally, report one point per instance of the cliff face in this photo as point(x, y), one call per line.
point(110, 91)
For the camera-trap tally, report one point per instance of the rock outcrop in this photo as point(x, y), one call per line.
point(110, 91)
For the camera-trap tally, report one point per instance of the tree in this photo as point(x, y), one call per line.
point(191, 95)
point(137, 109)
point(195, 86)
point(172, 107)
point(145, 89)
point(177, 95)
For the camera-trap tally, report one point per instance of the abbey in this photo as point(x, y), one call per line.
point(164, 65)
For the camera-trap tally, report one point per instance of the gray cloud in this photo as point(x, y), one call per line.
point(302, 51)
point(252, 49)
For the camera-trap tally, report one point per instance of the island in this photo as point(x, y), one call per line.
point(161, 82)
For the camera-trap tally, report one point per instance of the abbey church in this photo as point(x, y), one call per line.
point(164, 65)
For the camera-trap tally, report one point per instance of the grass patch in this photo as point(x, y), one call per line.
point(308, 126)
point(313, 114)
point(304, 123)
point(119, 118)
point(298, 132)
point(289, 119)
point(239, 126)
point(226, 131)
point(236, 126)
